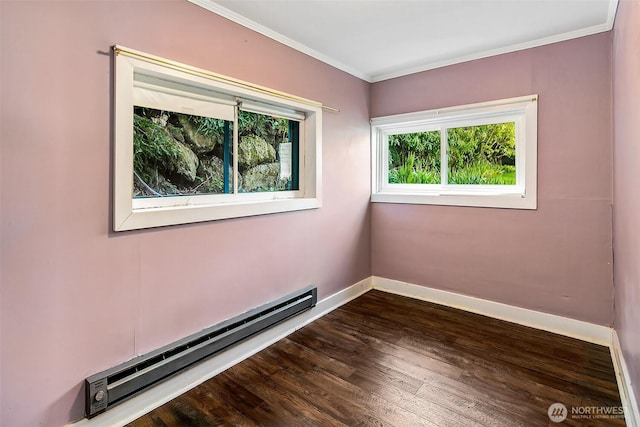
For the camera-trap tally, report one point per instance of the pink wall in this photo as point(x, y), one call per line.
point(626, 176)
point(76, 298)
point(556, 259)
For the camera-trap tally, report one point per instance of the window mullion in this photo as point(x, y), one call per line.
point(520, 154)
point(294, 139)
point(383, 154)
point(444, 148)
point(235, 151)
point(226, 154)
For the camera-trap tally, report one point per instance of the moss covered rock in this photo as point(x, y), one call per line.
point(157, 152)
point(262, 178)
point(185, 163)
point(198, 142)
point(253, 151)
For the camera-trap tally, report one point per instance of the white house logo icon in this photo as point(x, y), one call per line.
point(557, 412)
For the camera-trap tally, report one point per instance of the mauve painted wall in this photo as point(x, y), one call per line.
point(626, 176)
point(76, 298)
point(556, 259)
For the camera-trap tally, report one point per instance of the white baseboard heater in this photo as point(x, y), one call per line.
point(113, 386)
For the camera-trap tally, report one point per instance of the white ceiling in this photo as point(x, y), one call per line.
point(381, 39)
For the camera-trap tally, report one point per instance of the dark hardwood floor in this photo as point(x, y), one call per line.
point(386, 360)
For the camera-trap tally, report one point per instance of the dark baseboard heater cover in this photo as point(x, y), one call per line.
point(113, 386)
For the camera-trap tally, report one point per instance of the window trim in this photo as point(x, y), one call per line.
point(130, 213)
point(523, 195)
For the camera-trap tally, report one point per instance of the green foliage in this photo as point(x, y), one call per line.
point(210, 127)
point(482, 154)
point(424, 146)
point(266, 127)
point(481, 172)
point(271, 129)
point(152, 145)
point(178, 154)
point(412, 173)
point(494, 143)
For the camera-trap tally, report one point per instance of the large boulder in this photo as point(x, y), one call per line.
point(262, 178)
point(176, 132)
point(197, 141)
point(185, 163)
point(156, 149)
point(253, 150)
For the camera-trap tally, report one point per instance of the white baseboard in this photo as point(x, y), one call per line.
point(547, 322)
point(185, 381)
point(585, 331)
point(181, 383)
point(627, 395)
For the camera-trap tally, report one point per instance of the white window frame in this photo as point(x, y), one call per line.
point(523, 111)
point(135, 69)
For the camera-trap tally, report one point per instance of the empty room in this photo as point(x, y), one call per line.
point(319, 213)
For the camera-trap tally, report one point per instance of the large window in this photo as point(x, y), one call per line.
point(472, 155)
point(194, 146)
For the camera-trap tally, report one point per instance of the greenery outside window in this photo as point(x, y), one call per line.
point(474, 155)
point(194, 146)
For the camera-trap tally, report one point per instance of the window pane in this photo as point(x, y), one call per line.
point(482, 154)
point(180, 154)
point(267, 153)
point(414, 158)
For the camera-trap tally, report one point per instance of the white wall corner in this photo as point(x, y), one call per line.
point(149, 400)
point(627, 395)
point(573, 328)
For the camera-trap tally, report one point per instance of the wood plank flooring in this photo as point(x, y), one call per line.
point(386, 360)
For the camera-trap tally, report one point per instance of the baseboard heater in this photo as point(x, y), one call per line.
point(113, 386)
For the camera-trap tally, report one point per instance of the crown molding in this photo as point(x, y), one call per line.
point(507, 49)
point(214, 7)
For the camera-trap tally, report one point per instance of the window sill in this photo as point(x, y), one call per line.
point(159, 217)
point(504, 201)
